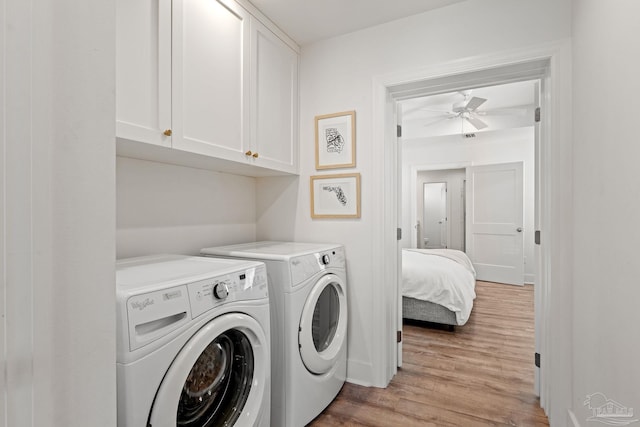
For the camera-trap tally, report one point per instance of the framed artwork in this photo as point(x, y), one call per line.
point(336, 140)
point(335, 196)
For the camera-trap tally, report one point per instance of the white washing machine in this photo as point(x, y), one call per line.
point(308, 295)
point(193, 342)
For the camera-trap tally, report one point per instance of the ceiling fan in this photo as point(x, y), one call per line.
point(465, 110)
point(496, 108)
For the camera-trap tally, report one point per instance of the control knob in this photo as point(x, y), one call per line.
point(325, 259)
point(220, 291)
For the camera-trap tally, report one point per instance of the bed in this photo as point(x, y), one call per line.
point(438, 286)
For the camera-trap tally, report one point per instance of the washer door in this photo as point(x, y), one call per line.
point(218, 377)
point(323, 324)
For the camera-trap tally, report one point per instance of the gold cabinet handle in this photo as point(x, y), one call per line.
point(255, 155)
point(167, 132)
point(248, 153)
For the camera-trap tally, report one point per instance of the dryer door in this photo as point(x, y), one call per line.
point(323, 324)
point(218, 377)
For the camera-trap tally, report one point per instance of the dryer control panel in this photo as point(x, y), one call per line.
point(305, 266)
point(244, 285)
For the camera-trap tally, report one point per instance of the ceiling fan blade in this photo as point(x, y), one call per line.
point(474, 103)
point(476, 122)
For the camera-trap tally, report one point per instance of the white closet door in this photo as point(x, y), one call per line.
point(495, 222)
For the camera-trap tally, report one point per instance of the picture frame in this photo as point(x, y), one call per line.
point(336, 140)
point(335, 196)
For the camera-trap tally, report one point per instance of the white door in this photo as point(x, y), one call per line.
point(398, 203)
point(434, 209)
point(495, 222)
point(323, 324)
point(538, 300)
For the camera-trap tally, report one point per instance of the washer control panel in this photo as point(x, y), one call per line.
point(243, 285)
point(220, 290)
point(155, 314)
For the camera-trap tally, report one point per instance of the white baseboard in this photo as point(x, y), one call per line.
point(359, 373)
point(529, 279)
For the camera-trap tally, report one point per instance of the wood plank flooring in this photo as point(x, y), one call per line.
point(479, 375)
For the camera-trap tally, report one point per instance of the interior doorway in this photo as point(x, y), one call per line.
point(439, 222)
point(435, 215)
point(551, 62)
point(392, 89)
point(490, 135)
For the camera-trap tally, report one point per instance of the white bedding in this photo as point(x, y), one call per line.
point(441, 276)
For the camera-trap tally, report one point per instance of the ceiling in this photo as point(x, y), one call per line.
point(507, 106)
point(307, 21)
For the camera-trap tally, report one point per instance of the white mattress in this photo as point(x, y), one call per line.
point(441, 276)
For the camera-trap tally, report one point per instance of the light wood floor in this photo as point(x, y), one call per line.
point(479, 375)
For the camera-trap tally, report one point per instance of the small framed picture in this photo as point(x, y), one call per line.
point(335, 196)
point(336, 140)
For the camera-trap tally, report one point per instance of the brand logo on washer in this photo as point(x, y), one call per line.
point(141, 305)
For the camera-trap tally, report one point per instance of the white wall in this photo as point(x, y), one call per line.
point(513, 145)
point(606, 67)
point(165, 208)
point(58, 233)
point(337, 75)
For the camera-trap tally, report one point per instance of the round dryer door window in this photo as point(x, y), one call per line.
point(323, 324)
point(218, 376)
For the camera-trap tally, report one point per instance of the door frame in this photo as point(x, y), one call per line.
point(549, 62)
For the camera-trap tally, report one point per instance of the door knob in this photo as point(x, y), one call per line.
point(519, 229)
point(248, 153)
point(255, 155)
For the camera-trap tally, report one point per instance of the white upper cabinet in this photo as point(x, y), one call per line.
point(143, 71)
point(208, 80)
point(274, 96)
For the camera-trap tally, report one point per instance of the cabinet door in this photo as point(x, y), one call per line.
point(274, 100)
point(210, 78)
point(143, 70)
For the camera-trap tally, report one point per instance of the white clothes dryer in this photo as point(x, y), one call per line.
point(308, 296)
point(193, 342)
